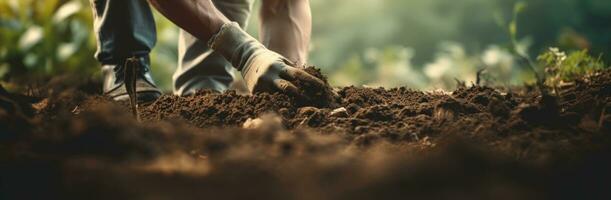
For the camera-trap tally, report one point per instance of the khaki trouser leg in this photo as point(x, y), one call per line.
point(286, 27)
point(199, 67)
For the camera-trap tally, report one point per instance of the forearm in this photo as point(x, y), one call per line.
point(263, 70)
point(198, 17)
point(286, 26)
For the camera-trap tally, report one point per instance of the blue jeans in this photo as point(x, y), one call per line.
point(126, 28)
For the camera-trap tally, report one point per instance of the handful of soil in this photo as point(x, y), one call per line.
point(322, 97)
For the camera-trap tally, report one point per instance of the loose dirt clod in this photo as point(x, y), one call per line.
point(317, 96)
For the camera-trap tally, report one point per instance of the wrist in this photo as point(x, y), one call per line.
point(235, 44)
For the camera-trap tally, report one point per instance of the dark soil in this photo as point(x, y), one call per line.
point(474, 143)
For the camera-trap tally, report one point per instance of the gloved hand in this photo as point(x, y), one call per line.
point(263, 70)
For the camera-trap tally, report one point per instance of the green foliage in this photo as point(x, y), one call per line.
point(44, 38)
point(387, 67)
point(561, 67)
point(524, 27)
point(521, 50)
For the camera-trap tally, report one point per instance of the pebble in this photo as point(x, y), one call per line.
point(339, 112)
point(306, 111)
point(252, 123)
point(266, 121)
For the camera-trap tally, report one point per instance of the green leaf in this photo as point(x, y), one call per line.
point(65, 50)
point(519, 7)
point(4, 69)
point(14, 5)
point(31, 37)
point(66, 11)
point(30, 61)
point(513, 29)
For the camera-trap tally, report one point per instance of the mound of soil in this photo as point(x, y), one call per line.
point(352, 143)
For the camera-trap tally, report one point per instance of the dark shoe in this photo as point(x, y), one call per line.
point(115, 81)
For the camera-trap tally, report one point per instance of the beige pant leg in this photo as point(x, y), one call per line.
point(199, 67)
point(286, 27)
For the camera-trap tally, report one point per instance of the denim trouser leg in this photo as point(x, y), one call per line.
point(123, 28)
point(199, 67)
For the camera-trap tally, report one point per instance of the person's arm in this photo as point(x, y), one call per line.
point(263, 70)
point(286, 26)
point(198, 17)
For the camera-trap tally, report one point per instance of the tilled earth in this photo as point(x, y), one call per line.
point(476, 142)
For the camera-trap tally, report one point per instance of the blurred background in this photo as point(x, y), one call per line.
point(422, 44)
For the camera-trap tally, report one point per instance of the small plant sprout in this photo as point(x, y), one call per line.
point(562, 68)
point(520, 50)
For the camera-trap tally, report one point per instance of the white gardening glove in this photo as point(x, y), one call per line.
point(263, 70)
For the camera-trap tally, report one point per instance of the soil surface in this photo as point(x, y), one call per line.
point(476, 142)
